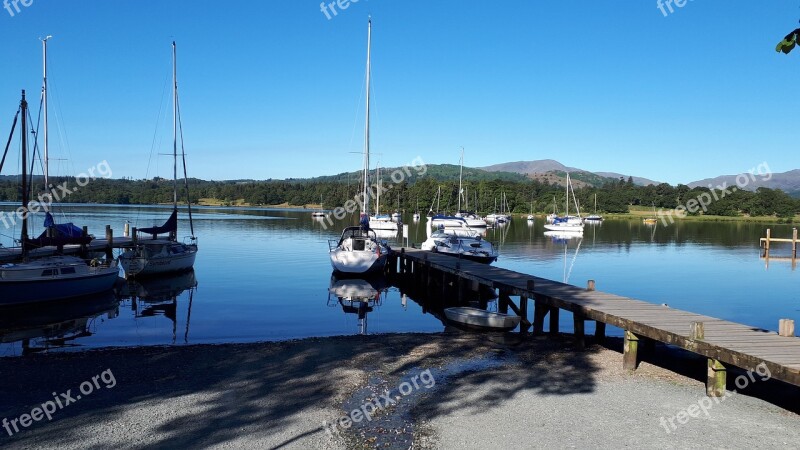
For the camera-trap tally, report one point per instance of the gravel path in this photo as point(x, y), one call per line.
point(446, 391)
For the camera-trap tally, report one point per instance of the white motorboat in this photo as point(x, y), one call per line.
point(462, 242)
point(54, 277)
point(359, 249)
point(166, 255)
point(480, 319)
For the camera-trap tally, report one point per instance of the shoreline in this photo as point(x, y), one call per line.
point(490, 391)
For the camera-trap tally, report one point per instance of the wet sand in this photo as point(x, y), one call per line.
point(448, 390)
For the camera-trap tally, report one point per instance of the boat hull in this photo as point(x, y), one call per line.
point(478, 319)
point(20, 292)
point(142, 267)
point(357, 262)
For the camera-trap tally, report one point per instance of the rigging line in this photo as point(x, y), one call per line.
point(10, 137)
point(358, 110)
point(59, 116)
point(183, 157)
point(156, 137)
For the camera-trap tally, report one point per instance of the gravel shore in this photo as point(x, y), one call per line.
point(445, 391)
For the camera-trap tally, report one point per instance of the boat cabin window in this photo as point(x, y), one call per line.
point(49, 272)
point(359, 244)
point(67, 270)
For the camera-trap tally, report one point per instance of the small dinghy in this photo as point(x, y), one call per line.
point(480, 319)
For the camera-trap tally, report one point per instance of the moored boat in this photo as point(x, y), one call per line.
point(479, 319)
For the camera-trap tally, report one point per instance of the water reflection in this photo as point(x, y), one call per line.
point(42, 327)
point(359, 296)
point(158, 297)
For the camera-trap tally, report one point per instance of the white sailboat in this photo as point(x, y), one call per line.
point(568, 224)
point(378, 221)
point(472, 219)
point(48, 278)
point(359, 251)
point(320, 213)
point(595, 217)
point(166, 255)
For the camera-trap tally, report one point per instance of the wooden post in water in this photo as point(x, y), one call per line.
point(630, 357)
point(590, 285)
point(766, 244)
point(109, 242)
point(402, 261)
point(786, 328)
point(794, 243)
point(717, 378)
point(525, 324)
point(84, 234)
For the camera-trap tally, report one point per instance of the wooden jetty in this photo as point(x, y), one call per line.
point(95, 246)
point(766, 243)
point(723, 343)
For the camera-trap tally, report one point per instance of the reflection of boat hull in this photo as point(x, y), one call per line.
point(53, 319)
point(479, 319)
point(562, 235)
point(161, 288)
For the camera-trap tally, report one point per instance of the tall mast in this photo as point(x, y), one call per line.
point(44, 106)
point(365, 207)
point(460, 174)
point(24, 136)
point(567, 199)
point(174, 127)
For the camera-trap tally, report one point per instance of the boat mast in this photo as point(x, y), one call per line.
point(44, 106)
point(567, 199)
point(460, 174)
point(365, 205)
point(24, 130)
point(174, 128)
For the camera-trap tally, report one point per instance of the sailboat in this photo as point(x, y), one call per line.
point(166, 255)
point(416, 212)
point(530, 216)
point(595, 217)
point(378, 221)
point(568, 224)
point(48, 278)
point(320, 213)
point(652, 220)
point(472, 219)
point(359, 251)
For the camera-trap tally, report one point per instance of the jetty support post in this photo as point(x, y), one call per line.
point(786, 328)
point(525, 324)
point(505, 299)
point(630, 356)
point(794, 243)
point(402, 261)
point(84, 235)
point(599, 327)
point(766, 244)
point(109, 242)
point(717, 377)
point(579, 325)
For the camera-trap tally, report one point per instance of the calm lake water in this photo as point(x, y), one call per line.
point(265, 275)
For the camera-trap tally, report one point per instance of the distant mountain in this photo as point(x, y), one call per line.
point(639, 181)
point(535, 170)
point(442, 172)
point(788, 182)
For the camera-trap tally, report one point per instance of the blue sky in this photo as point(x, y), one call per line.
point(273, 89)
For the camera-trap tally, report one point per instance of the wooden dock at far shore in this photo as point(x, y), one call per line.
point(725, 344)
